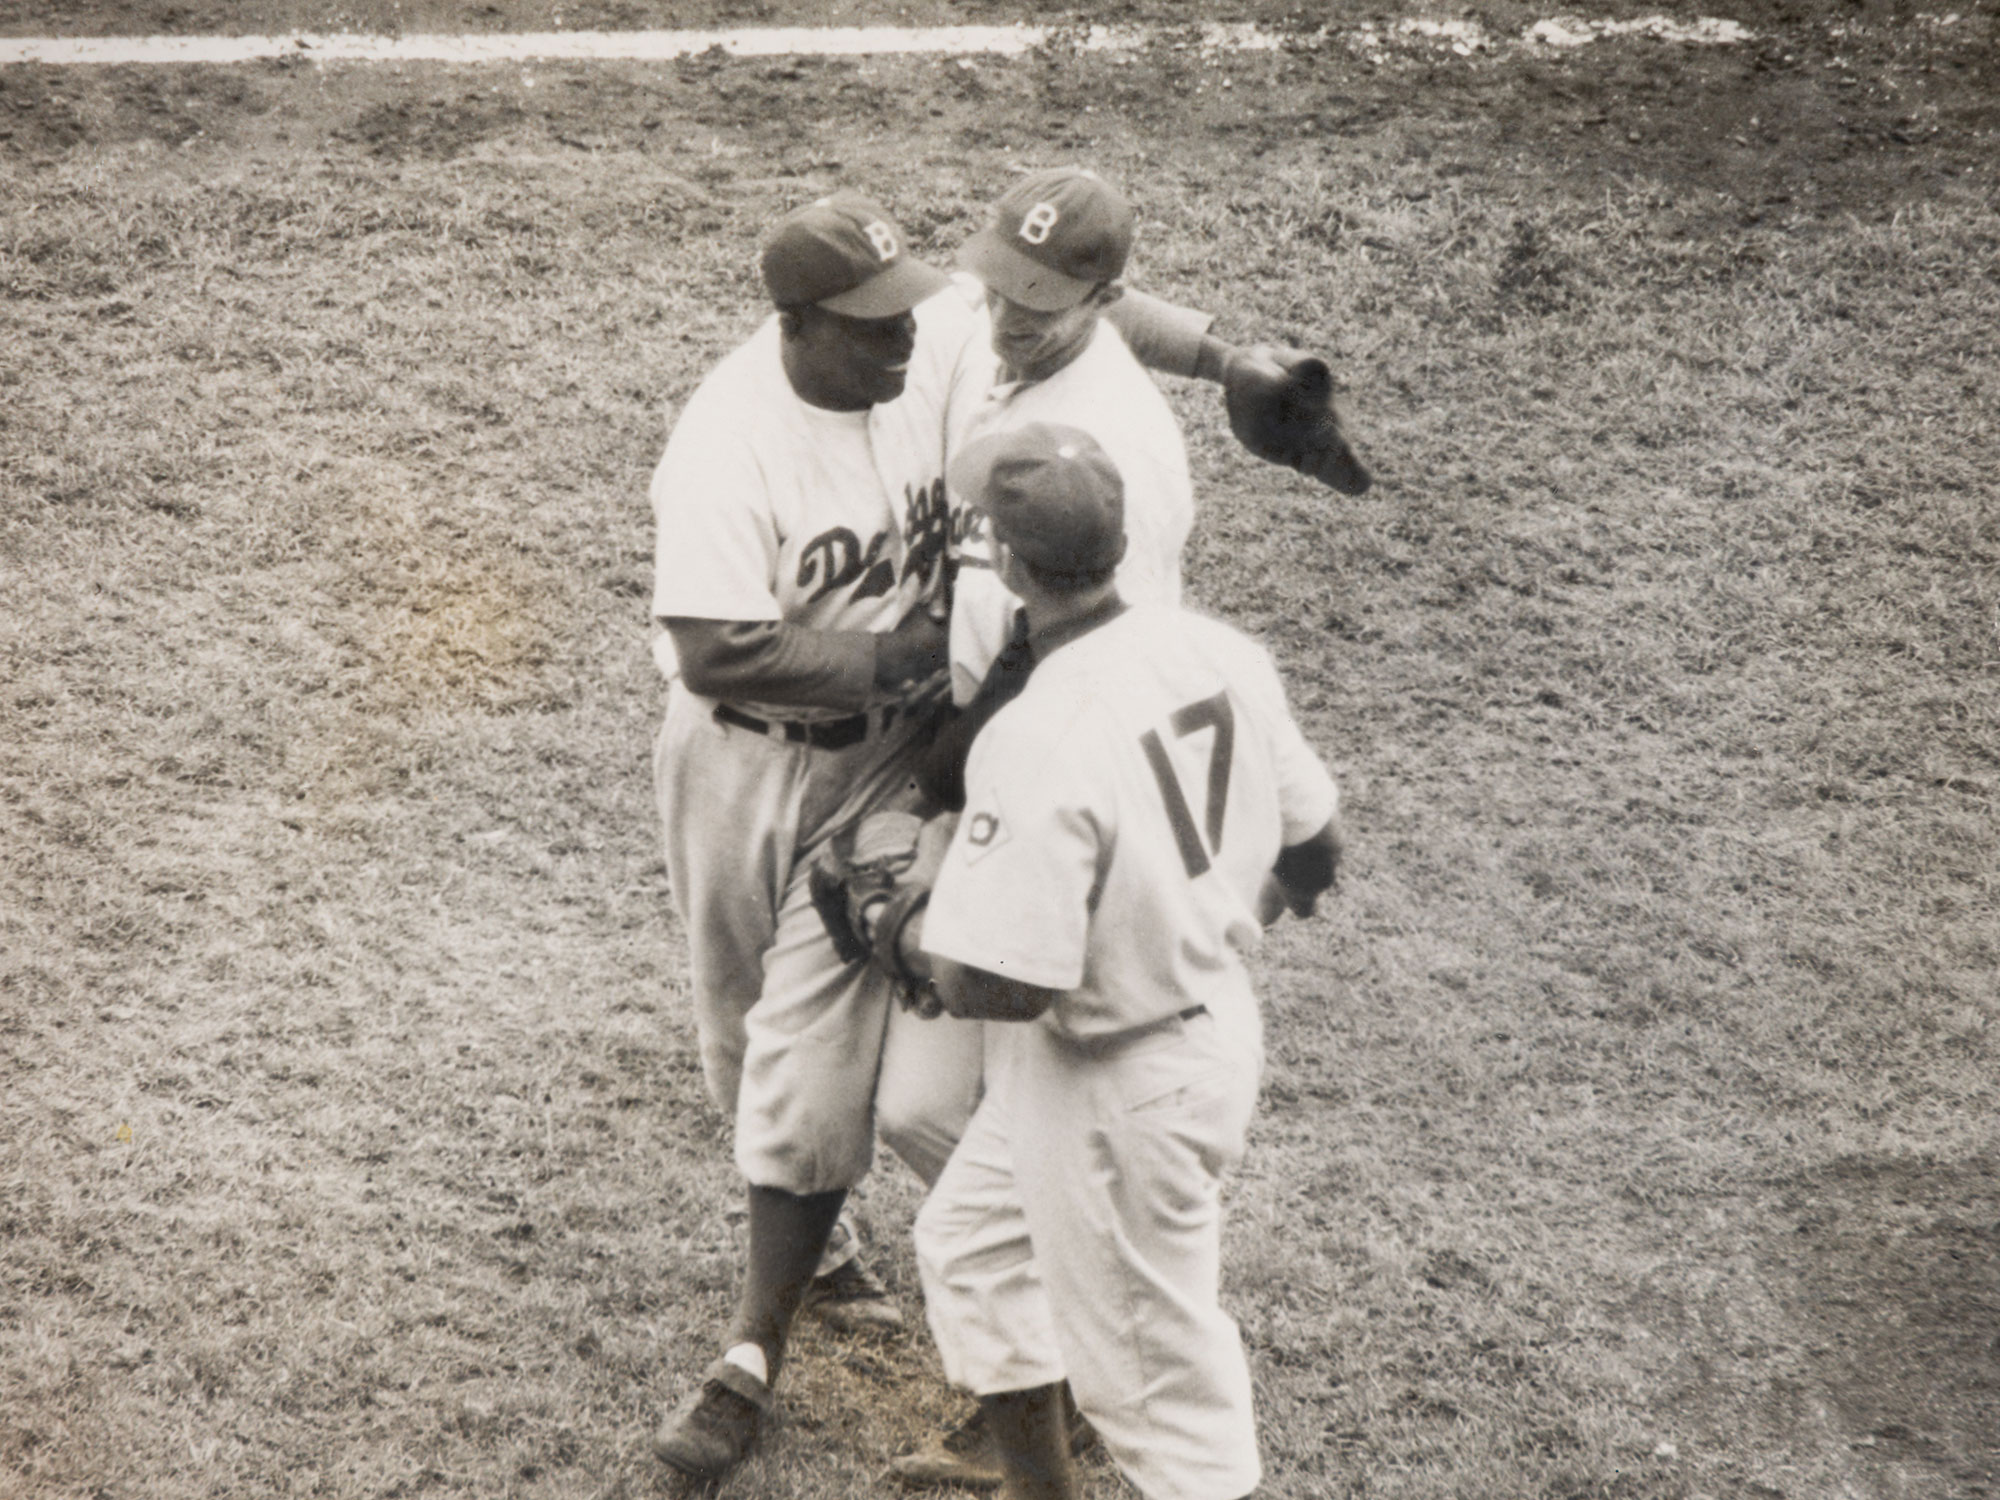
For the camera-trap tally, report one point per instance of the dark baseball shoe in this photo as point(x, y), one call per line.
point(849, 1299)
point(716, 1427)
point(964, 1458)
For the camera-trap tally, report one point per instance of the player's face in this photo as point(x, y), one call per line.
point(849, 364)
point(1034, 345)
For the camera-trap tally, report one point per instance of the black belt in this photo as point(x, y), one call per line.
point(833, 734)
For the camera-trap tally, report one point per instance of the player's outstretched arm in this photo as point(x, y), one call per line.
point(1167, 337)
point(1279, 399)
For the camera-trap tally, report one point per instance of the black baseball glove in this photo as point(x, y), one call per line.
point(1280, 404)
point(869, 881)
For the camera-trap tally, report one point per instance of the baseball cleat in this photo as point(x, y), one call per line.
point(715, 1429)
point(849, 1299)
point(964, 1458)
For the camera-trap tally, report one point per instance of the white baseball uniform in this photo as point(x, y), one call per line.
point(767, 508)
point(931, 1069)
point(1105, 392)
point(770, 509)
point(1121, 816)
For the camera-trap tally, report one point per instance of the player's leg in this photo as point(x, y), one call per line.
point(1031, 1436)
point(930, 1085)
point(985, 1305)
point(788, 1233)
point(730, 805)
point(728, 820)
point(804, 1136)
point(843, 788)
point(983, 1294)
point(715, 1428)
point(847, 787)
point(1129, 1245)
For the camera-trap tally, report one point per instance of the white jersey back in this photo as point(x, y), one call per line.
point(1121, 815)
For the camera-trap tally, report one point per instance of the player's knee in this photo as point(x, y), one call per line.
point(921, 1113)
point(916, 1137)
point(722, 1073)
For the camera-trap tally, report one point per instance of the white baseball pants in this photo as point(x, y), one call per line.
point(1076, 1231)
point(791, 1037)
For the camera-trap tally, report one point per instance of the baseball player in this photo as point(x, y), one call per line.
point(1049, 263)
point(799, 572)
point(1132, 818)
point(803, 524)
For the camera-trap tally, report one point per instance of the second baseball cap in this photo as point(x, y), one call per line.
point(845, 254)
point(1054, 496)
point(1055, 234)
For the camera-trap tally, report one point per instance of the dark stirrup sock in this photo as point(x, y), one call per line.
point(787, 1233)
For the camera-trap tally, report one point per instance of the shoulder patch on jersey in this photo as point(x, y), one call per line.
point(983, 829)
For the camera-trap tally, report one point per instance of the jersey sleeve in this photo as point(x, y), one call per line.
point(1014, 895)
point(1307, 794)
point(715, 543)
point(959, 312)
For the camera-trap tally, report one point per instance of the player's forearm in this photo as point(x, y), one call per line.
point(767, 661)
point(980, 995)
point(1167, 337)
point(968, 993)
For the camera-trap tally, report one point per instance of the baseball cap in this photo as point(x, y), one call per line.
point(1055, 234)
point(1054, 496)
point(845, 254)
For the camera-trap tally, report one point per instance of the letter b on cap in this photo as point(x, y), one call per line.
point(1039, 222)
point(882, 237)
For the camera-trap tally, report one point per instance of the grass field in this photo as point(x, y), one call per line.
point(1630, 1129)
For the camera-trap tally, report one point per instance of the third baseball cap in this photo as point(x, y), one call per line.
point(845, 254)
point(1054, 496)
point(1055, 234)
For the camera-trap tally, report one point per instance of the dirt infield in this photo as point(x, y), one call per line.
point(1845, 109)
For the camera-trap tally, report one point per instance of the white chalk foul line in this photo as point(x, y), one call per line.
point(535, 46)
point(1461, 37)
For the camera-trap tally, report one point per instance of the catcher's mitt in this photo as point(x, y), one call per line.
point(1280, 404)
point(869, 881)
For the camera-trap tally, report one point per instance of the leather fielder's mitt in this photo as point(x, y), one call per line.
point(1280, 404)
point(869, 881)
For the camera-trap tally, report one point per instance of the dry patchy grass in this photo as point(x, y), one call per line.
point(1629, 1123)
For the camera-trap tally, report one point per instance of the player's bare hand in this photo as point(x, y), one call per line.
point(1304, 872)
point(911, 656)
point(922, 1001)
